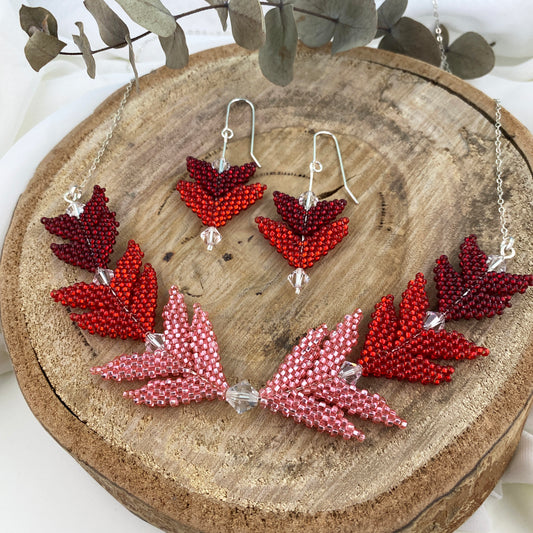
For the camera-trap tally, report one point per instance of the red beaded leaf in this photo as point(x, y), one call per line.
point(217, 197)
point(189, 361)
point(299, 251)
point(306, 222)
point(125, 308)
point(217, 211)
point(399, 347)
point(307, 388)
point(475, 292)
point(92, 234)
point(217, 184)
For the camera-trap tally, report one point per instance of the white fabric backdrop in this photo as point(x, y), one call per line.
point(43, 488)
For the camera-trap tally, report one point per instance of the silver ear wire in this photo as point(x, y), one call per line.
point(316, 165)
point(227, 134)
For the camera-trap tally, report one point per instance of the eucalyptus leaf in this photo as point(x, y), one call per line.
point(410, 38)
point(132, 61)
point(350, 23)
point(34, 19)
point(41, 48)
point(82, 42)
point(276, 56)
point(113, 30)
point(221, 12)
point(389, 13)
point(150, 14)
point(247, 23)
point(175, 48)
point(470, 56)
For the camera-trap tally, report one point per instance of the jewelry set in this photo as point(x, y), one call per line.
point(316, 383)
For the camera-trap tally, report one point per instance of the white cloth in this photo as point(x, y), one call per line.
point(42, 488)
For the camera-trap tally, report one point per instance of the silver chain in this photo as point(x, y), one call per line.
point(103, 148)
point(438, 35)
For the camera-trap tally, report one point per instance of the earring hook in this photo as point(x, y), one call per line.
point(227, 134)
point(316, 166)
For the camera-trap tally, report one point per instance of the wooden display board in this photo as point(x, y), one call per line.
point(418, 148)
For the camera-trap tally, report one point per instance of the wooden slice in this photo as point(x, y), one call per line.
point(418, 148)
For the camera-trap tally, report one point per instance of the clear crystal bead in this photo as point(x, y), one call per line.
point(242, 397)
point(298, 279)
point(220, 165)
point(350, 372)
point(434, 320)
point(103, 276)
point(154, 341)
point(496, 263)
point(308, 199)
point(211, 236)
point(75, 209)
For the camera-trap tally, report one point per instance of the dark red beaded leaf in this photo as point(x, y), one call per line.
point(399, 347)
point(217, 197)
point(188, 363)
point(475, 292)
point(306, 222)
point(307, 388)
point(93, 234)
point(125, 308)
point(302, 252)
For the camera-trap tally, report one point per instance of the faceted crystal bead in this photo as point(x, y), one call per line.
point(154, 341)
point(211, 236)
point(298, 279)
point(434, 320)
point(75, 209)
point(350, 372)
point(496, 263)
point(220, 165)
point(103, 276)
point(308, 199)
point(242, 397)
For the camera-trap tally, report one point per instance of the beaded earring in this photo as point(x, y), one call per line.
point(309, 230)
point(218, 191)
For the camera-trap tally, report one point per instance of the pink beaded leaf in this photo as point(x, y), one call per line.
point(398, 346)
point(125, 308)
point(188, 363)
point(308, 389)
point(475, 292)
point(92, 234)
point(306, 235)
point(217, 197)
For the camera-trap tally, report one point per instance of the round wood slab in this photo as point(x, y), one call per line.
point(418, 149)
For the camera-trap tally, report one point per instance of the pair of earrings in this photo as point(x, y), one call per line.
point(310, 228)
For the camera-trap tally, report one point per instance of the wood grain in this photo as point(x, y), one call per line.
point(417, 145)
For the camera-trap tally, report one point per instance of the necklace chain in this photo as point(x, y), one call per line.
point(438, 35)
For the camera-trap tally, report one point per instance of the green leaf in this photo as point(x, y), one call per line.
point(113, 30)
point(221, 12)
point(410, 38)
point(41, 49)
point(247, 23)
point(175, 48)
point(276, 56)
point(470, 56)
point(34, 19)
point(150, 14)
point(389, 13)
point(350, 23)
point(83, 44)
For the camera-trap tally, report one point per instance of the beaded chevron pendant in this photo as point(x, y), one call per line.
point(404, 346)
point(310, 231)
point(313, 385)
point(218, 195)
point(481, 289)
point(120, 303)
point(91, 228)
